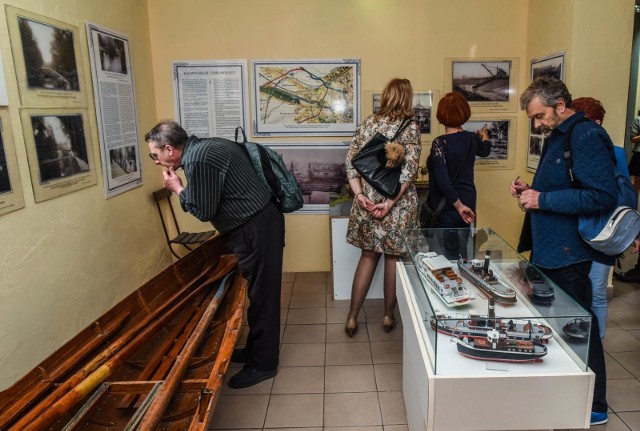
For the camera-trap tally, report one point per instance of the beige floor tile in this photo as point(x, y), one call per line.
point(286, 288)
point(299, 380)
point(307, 316)
point(387, 352)
point(288, 411)
point(352, 409)
point(615, 370)
point(369, 428)
point(388, 377)
point(339, 315)
point(392, 407)
point(308, 301)
point(304, 333)
point(620, 341)
point(288, 277)
point(348, 354)
point(285, 301)
point(336, 334)
point(618, 304)
point(635, 333)
point(310, 287)
point(240, 411)
point(301, 355)
point(284, 312)
point(396, 428)
point(376, 332)
point(623, 395)
point(349, 378)
point(627, 320)
point(336, 303)
point(630, 361)
point(632, 298)
point(612, 325)
point(631, 419)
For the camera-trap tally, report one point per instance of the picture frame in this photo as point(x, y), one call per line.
point(552, 65)
point(319, 168)
point(422, 108)
point(489, 84)
point(47, 60)
point(303, 107)
point(11, 197)
point(502, 134)
point(59, 151)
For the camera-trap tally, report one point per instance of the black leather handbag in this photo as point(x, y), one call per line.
point(371, 163)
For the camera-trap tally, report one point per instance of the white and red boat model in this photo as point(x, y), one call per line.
point(481, 275)
point(444, 281)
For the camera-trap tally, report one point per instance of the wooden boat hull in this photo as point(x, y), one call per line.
point(162, 352)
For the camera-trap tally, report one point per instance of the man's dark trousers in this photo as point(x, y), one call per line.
point(574, 279)
point(259, 246)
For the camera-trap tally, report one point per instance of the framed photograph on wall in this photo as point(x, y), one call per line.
point(47, 60)
point(502, 133)
point(422, 107)
point(11, 198)
point(489, 85)
point(320, 171)
point(554, 66)
point(59, 151)
point(306, 97)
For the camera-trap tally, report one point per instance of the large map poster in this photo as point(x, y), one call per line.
point(306, 98)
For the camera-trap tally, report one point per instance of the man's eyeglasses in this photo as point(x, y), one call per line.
point(153, 157)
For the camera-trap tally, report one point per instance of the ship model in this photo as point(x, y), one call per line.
point(155, 361)
point(476, 326)
point(578, 329)
point(495, 346)
point(445, 283)
point(481, 275)
point(540, 290)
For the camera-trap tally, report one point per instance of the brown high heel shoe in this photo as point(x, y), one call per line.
point(388, 323)
point(351, 327)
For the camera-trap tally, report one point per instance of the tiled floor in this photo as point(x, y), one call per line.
point(327, 380)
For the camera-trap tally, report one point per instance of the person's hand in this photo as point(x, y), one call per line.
point(528, 199)
point(635, 246)
point(381, 209)
point(483, 133)
point(466, 213)
point(365, 202)
point(172, 181)
point(517, 186)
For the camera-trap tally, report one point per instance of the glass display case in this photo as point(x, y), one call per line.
point(482, 324)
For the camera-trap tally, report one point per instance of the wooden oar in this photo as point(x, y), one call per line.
point(163, 397)
point(80, 384)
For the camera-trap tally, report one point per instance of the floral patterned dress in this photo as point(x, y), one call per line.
point(384, 235)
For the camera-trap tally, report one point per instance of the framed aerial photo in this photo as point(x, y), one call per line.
point(489, 85)
point(552, 65)
point(306, 97)
point(59, 151)
point(502, 134)
point(320, 171)
point(422, 107)
point(47, 60)
point(11, 198)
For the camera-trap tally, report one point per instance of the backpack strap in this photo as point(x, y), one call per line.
point(567, 152)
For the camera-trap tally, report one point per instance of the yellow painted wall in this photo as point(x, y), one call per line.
point(65, 261)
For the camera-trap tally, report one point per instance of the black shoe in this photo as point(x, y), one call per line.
point(249, 377)
point(240, 356)
point(631, 276)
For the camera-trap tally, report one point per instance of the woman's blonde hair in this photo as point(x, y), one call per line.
point(396, 101)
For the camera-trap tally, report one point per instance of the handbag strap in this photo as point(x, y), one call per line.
point(443, 201)
point(403, 126)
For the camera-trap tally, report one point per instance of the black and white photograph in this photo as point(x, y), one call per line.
point(500, 134)
point(551, 66)
point(112, 54)
point(482, 81)
point(124, 161)
point(60, 146)
point(49, 56)
point(535, 145)
point(47, 60)
point(11, 198)
point(320, 171)
point(422, 103)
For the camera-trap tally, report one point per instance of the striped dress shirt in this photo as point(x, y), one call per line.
point(222, 186)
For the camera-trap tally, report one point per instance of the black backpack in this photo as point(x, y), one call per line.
point(273, 173)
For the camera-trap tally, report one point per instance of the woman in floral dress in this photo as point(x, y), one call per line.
point(376, 222)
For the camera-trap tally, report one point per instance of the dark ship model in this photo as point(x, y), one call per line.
point(475, 326)
point(578, 329)
point(481, 275)
point(540, 291)
point(444, 281)
point(497, 347)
